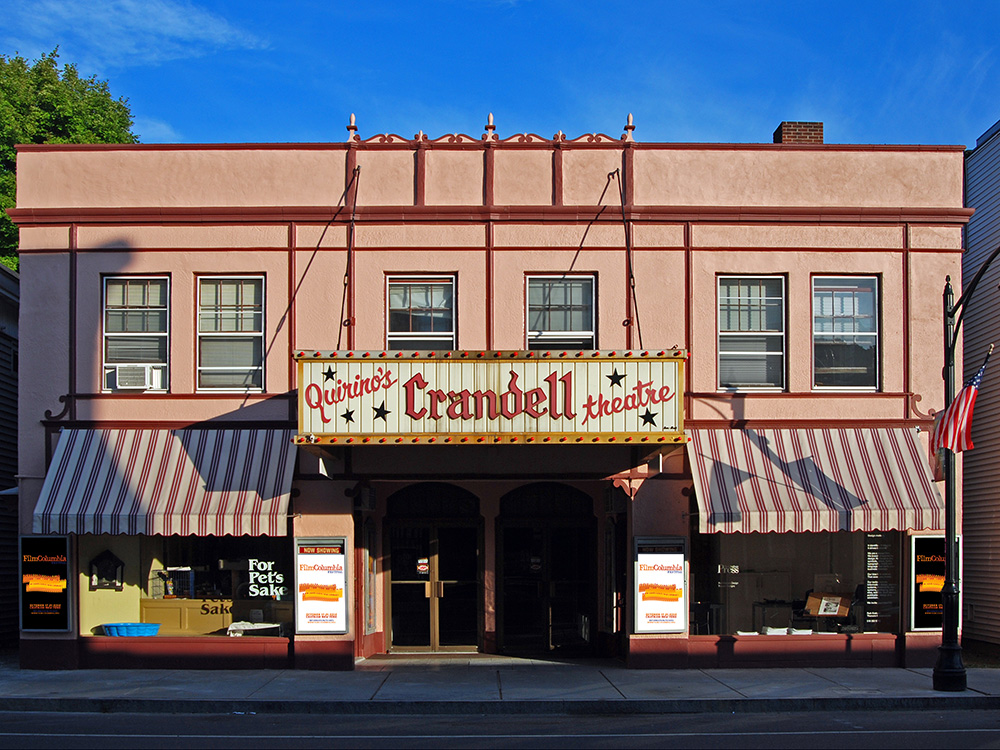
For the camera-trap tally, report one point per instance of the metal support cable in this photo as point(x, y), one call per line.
point(345, 317)
point(633, 301)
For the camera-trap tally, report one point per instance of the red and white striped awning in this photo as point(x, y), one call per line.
point(812, 480)
point(200, 482)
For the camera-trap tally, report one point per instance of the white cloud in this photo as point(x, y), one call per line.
point(151, 130)
point(120, 33)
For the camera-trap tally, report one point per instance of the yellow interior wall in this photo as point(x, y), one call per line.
point(108, 605)
point(151, 552)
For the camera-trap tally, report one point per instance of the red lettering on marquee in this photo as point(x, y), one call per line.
point(511, 403)
point(555, 399)
point(643, 394)
point(317, 397)
point(532, 399)
point(417, 381)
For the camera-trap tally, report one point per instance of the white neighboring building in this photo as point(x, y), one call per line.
point(981, 526)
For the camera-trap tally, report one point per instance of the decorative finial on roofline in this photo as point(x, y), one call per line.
point(490, 134)
point(352, 128)
point(629, 127)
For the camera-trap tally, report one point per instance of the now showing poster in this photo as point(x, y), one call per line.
point(44, 583)
point(926, 582)
point(320, 586)
point(660, 586)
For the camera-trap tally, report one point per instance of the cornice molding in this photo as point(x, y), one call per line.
point(393, 141)
point(845, 215)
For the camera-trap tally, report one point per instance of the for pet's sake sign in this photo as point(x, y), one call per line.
point(265, 580)
point(491, 397)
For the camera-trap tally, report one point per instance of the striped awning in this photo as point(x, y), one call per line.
point(812, 480)
point(200, 482)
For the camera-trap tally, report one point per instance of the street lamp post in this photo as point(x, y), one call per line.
point(949, 672)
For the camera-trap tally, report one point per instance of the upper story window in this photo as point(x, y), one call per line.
point(231, 333)
point(845, 332)
point(136, 335)
point(561, 312)
point(421, 313)
point(751, 332)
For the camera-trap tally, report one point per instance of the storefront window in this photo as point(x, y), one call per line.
point(210, 585)
point(795, 584)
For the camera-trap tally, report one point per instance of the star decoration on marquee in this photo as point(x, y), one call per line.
point(330, 374)
point(348, 415)
point(649, 417)
point(615, 378)
point(381, 412)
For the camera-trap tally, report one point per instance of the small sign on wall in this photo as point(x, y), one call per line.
point(660, 585)
point(44, 584)
point(320, 585)
point(882, 582)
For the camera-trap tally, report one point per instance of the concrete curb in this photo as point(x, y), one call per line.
point(518, 707)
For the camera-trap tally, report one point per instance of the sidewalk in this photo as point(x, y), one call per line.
point(482, 684)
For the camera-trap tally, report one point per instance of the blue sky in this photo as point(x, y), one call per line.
point(202, 71)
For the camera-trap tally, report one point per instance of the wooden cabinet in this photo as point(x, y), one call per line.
point(206, 616)
point(192, 616)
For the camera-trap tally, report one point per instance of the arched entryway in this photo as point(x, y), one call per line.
point(433, 534)
point(546, 571)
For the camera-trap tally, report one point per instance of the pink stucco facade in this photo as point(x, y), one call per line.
point(488, 214)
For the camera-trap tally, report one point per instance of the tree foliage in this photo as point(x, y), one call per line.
point(39, 103)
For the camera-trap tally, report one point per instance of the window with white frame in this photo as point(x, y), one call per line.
point(845, 332)
point(231, 333)
point(751, 332)
point(561, 312)
point(136, 333)
point(421, 313)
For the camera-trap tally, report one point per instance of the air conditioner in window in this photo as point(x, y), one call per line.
point(133, 377)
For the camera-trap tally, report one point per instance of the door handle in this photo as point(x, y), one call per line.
point(433, 589)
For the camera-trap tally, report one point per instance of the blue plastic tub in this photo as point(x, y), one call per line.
point(131, 628)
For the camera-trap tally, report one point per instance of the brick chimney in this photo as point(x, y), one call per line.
point(799, 132)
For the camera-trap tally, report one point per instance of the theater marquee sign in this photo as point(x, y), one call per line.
point(490, 397)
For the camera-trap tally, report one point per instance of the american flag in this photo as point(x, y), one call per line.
point(953, 429)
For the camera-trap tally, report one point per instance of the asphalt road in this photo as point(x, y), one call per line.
point(883, 730)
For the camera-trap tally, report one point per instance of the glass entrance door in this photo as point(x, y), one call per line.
point(548, 592)
point(410, 589)
point(434, 586)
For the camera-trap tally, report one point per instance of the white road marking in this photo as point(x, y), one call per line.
point(491, 735)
